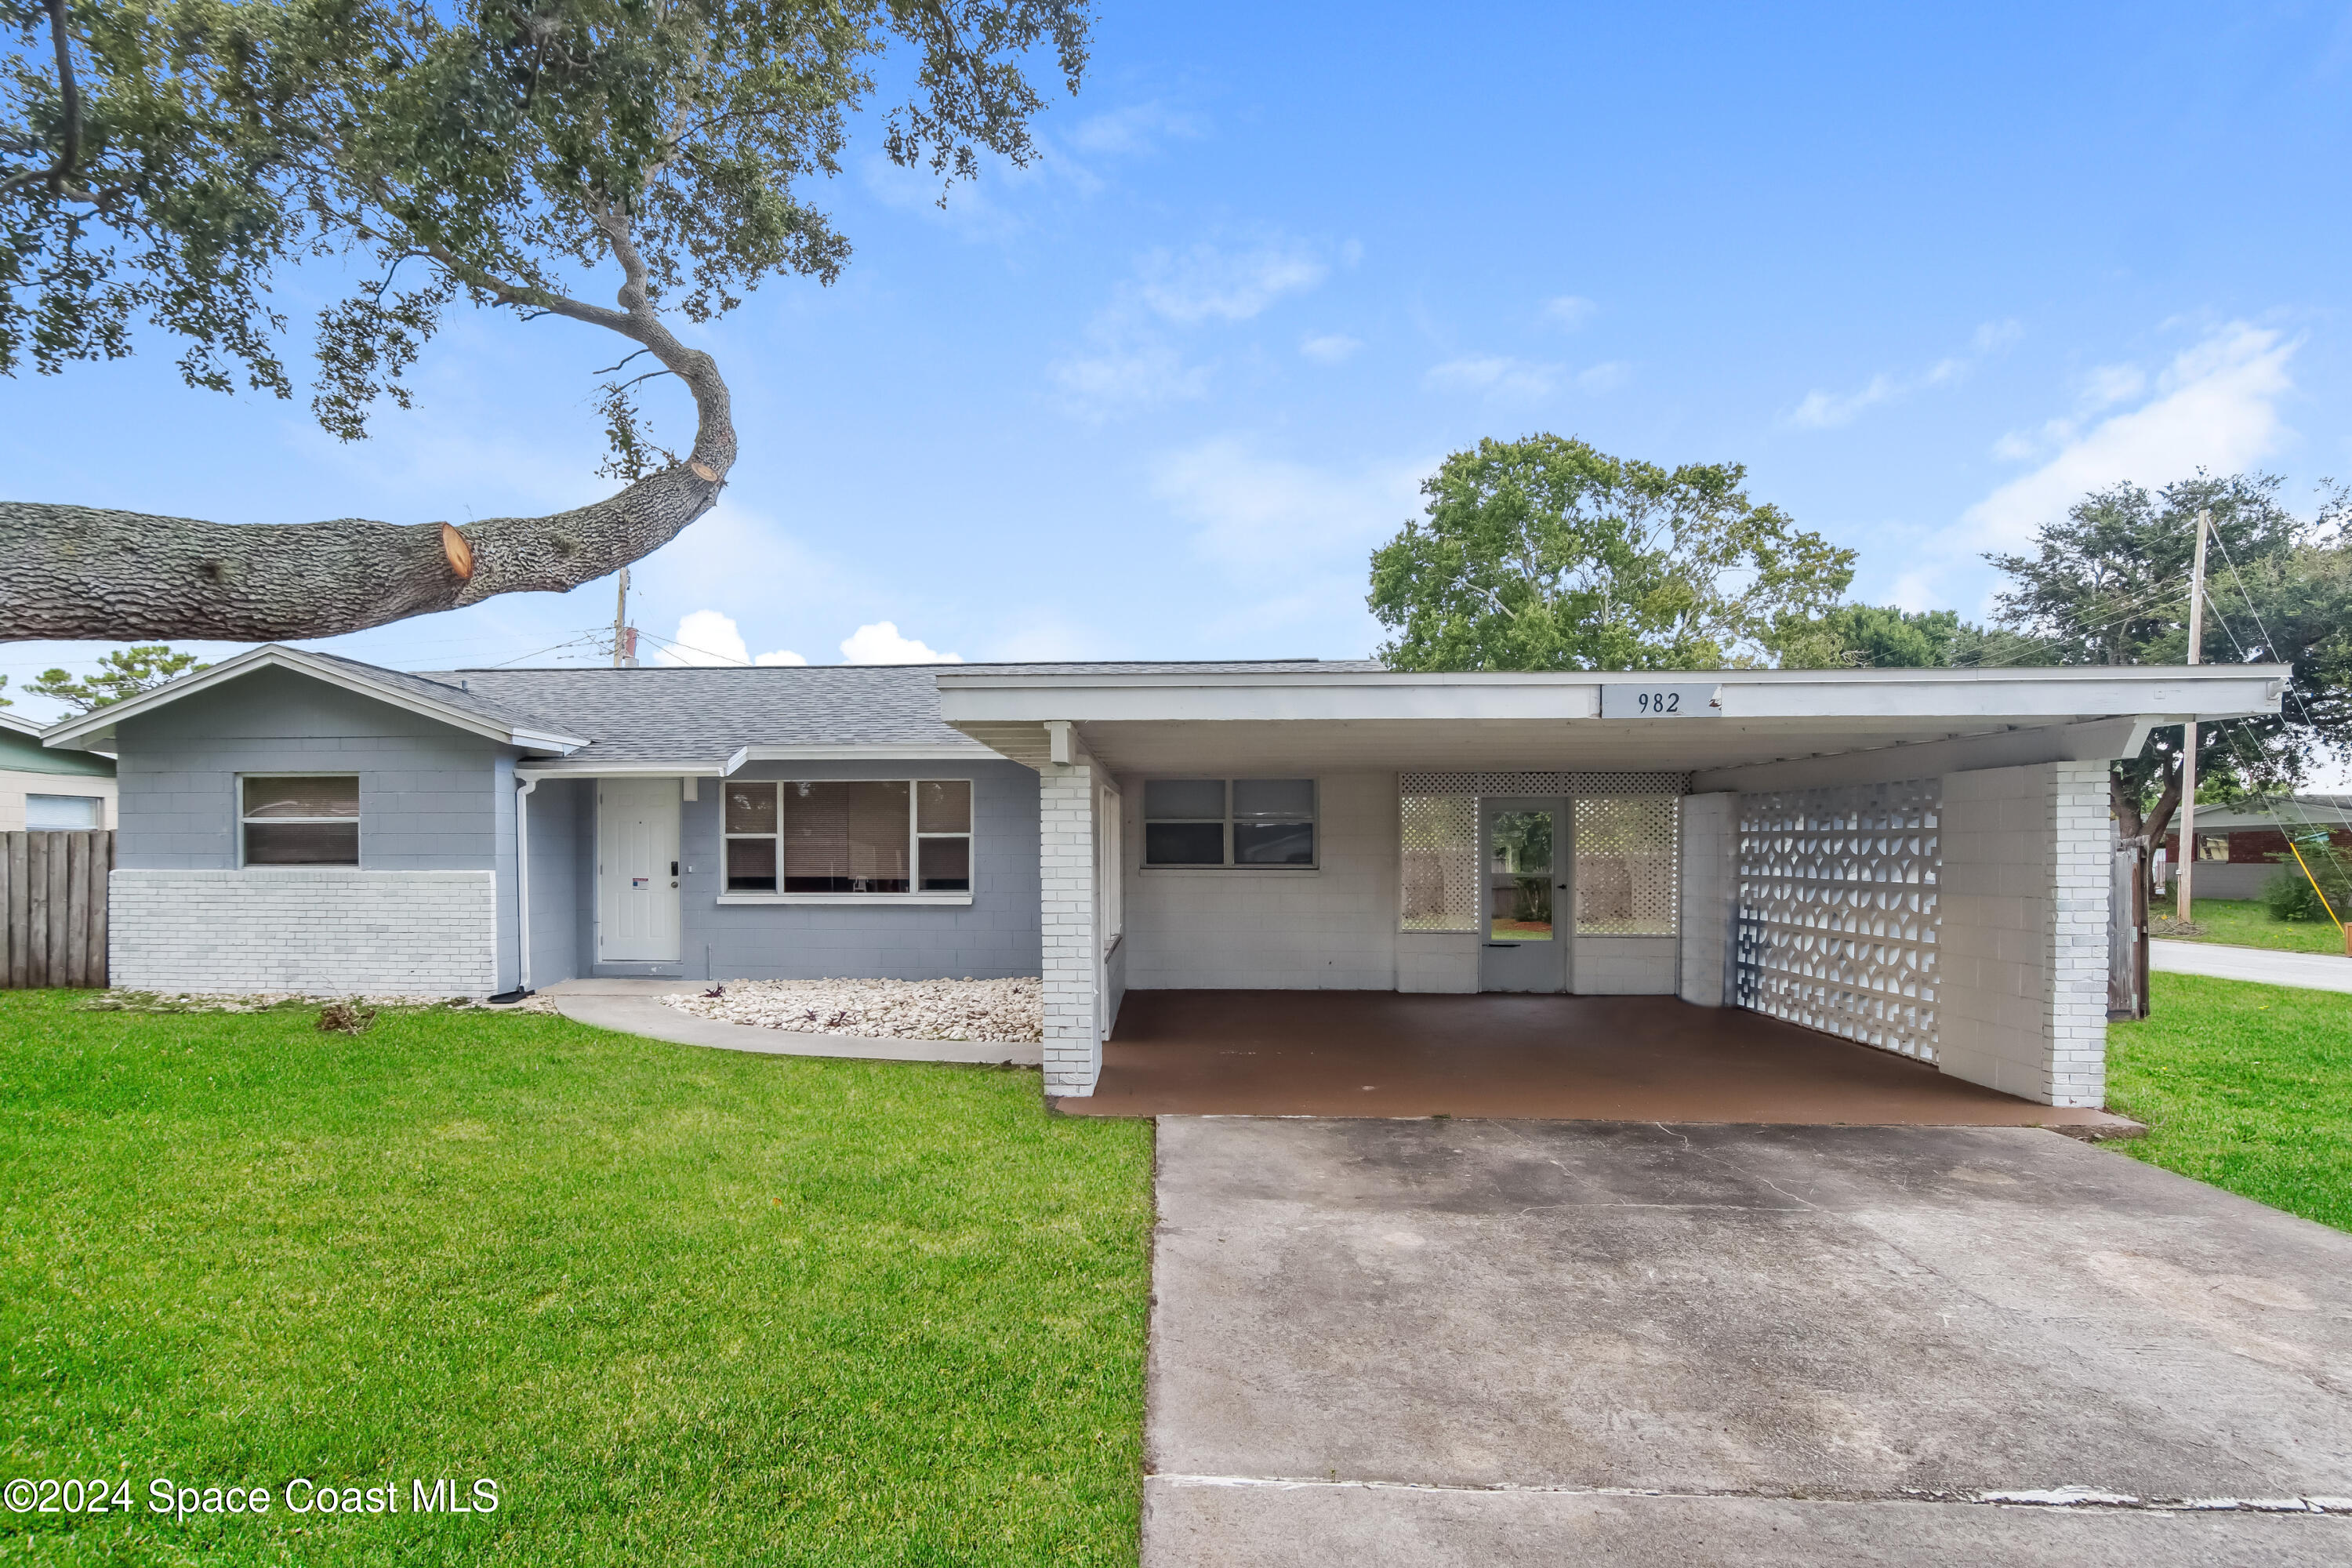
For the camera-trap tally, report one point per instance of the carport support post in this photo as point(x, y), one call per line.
point(2023, 954)
point(1071, 947)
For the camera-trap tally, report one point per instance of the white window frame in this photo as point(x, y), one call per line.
point(358, 839)
point(915, 836)
point(1110, 864)
point(1230, 868)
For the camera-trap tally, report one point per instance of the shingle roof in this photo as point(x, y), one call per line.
point(699, 715)
point(704, 713)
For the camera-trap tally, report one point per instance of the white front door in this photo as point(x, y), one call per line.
point(637, 870)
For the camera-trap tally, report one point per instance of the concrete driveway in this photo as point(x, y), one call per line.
point(1466, 1342)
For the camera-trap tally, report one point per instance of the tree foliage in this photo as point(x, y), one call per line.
point(2109, 584)
point(1881, 637)
point(164, 161)
point(123, 672)
point(1544, 554)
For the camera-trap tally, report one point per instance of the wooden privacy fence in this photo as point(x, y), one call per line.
point(53, 893)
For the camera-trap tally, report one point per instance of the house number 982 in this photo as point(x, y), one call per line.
point(1630, 701)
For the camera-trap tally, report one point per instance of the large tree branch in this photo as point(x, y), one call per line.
point(69, 109)
point(81, 571)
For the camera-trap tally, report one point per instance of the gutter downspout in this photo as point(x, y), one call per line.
point(523, 787)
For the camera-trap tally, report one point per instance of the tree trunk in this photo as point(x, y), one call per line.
point(75, 572)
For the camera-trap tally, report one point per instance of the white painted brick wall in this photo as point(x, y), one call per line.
point(1330, 928)
point(333, 932)
point(1710, 883)
point(1072, 950)
point(2027, 858)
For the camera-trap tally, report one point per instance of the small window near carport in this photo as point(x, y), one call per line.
point(311, 819)
point(1229, 822)
point(63, 812)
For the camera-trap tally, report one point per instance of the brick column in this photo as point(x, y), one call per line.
point(1073, 950)
point(2027, 855)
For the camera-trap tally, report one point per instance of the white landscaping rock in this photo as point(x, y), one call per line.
point(1007, 1011)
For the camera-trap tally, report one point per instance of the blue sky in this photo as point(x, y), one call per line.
point(1930, 275)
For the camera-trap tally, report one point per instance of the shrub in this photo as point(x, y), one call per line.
point(2289, 896)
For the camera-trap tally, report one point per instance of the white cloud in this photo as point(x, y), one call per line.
point(1128, 369)
point(1569, 310)
point(1248, 510)
point(881, 644)
point(2215, 407)
point(711, 637)
point(1331, 348)
point(1498, 376)
point(1206, 283)
point(1133, 359)
point(1828, 410)
point(1138, 128)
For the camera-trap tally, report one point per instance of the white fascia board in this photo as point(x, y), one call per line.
point(589, 768)
point(97, 728)
point(21, 726)
point(871, 751)
point(1971, 695)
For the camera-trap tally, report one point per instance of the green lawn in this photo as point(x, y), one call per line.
point(683, 1306)
point(2247, 1086)
point(2243, 922)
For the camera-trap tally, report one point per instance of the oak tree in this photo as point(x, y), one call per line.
point(1546, 553)
point(161, 162)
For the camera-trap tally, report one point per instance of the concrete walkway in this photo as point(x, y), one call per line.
point(2313, 971)
point(1475, 1342)
point(634, 1007)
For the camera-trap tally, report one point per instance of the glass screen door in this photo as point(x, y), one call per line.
point(1525, 886)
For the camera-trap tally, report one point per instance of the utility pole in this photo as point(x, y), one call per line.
point(624, 655)
point(2182, 910)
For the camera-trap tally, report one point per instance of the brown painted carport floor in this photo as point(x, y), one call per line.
point(1598, 1058)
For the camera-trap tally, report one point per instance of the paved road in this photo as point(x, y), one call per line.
point(1459, 1343)
point(2314, 971)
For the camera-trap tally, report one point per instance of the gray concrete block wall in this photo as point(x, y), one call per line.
point(428, 795)
point(2026, 864)
point(432, 799)
point(1441, 961)
point(557, 885)
point(311, 928)
point(1709, 896)
point(995, 937)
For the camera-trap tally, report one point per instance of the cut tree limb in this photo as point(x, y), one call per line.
point(77, 572)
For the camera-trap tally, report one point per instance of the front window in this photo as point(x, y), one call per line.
point(312, 819)
point(863, 836)
point(1229, 822)
point(63, 812)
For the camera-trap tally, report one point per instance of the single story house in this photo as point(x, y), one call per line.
point(2242, 847)
point(47, 790)
point(1917, 859)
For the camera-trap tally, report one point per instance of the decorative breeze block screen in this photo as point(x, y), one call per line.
point(1627, 865)
point(1838, 913)
point(1438, 822)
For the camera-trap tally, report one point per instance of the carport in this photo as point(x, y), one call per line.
point(1785, 895)
point(1553, 1057)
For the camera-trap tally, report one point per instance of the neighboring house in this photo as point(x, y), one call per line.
point(2240, 847)
point(45, 789)
point(1917, 859)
